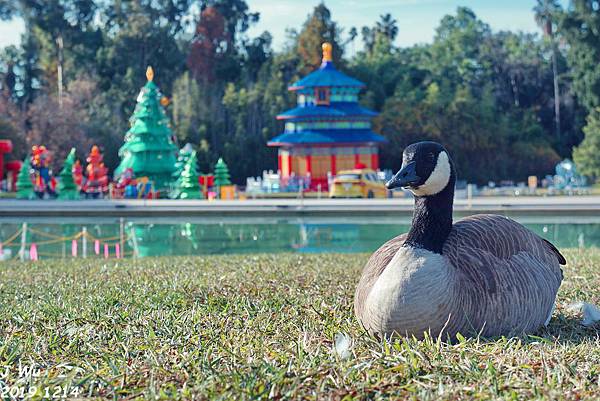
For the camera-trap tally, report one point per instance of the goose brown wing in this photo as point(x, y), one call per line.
point(511, 274)
point(500, 237)
point(373, 269)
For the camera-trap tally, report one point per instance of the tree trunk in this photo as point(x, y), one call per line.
point(556, 92)
point(59, 43)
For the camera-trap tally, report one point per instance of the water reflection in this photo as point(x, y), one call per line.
point(165, 237)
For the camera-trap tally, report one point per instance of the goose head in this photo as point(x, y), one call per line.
point(426, 169)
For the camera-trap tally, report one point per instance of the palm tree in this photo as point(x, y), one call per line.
point(545, 12)
point(388, 26)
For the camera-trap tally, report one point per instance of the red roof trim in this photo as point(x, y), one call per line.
point(321, 145)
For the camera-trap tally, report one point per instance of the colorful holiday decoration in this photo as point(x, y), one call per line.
point(24, 183)
point(188, 184)
point(11, 168)
point(125, 185)
point(67, 188)
point(5, 147)
point(77, 172)
point(149, 148)
point(43, 181)
point(96, 183)
point(328, 131)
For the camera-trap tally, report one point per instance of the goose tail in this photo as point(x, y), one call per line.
point(559, 256)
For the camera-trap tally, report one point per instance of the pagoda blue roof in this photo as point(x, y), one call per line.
point(327, 137)
point(336, 119)
point(333, 110)
point(326, 76)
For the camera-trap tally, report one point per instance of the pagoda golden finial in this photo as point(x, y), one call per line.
point(327, 52)
point(149, 73)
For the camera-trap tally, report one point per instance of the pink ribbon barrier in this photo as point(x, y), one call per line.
point(74, 248)
point(33, 253)
point(97, 247)
point(117, 251)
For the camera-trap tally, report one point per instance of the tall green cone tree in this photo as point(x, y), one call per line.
point(67, 189)
point(149, 149)
point(188, 186)
point(587, 155)
point(221, 174)
point(24, 184)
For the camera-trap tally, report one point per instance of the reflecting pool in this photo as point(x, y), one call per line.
point(105, 237)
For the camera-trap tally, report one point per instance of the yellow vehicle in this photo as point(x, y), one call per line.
point(358, 183)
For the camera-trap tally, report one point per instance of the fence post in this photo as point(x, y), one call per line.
point(134, 240)
point(84, 242)
point(23, 242)
point(122, 233)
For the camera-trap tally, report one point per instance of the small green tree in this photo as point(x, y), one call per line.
point(182, 157)
point(24, 184)
point(587, 154)
point(67, 189)
point(188, 186)
point(221, 174)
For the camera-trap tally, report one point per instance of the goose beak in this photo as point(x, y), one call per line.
point(406, 177)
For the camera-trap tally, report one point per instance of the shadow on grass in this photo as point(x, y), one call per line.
point(565, 330)
point(562, 329)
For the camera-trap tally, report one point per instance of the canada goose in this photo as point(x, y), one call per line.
point(484, 274)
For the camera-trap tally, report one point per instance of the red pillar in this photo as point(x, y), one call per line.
point(356, 159)
point(5, 147)
point(375, 161)
point(333, 166)
point(279, 163)
point(309, 164)
point(289, 159)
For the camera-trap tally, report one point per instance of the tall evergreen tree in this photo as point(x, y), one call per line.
point(545, 15)
point(317, 29)
point(587, 155)
point(580, 26)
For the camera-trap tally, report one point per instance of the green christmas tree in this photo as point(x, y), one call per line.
point(182, 158)
point(24, 184)
point(149, 149)
point(221, 174)
point(187, 186)
point(67, 189)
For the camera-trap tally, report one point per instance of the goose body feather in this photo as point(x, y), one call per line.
point(493, 277)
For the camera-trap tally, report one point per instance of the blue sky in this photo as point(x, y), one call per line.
point(417, 19)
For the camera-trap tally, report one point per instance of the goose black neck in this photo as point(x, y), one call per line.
point(432, 220)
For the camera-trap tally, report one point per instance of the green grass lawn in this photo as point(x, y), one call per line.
point(258, 327)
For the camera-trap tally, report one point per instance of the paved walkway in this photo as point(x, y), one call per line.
point(559, 205)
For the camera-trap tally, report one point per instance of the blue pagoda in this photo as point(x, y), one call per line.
point(328, 130)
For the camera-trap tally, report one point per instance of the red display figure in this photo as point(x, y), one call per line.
point(96, 183)
point(77, 171)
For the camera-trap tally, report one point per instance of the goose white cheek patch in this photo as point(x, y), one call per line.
point(439, 178)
